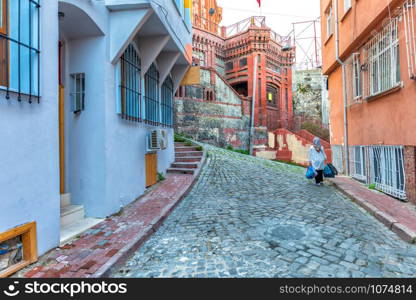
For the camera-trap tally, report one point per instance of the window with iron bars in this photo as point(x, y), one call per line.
point(358, 163)
point(356, 71)
point(19, 48)
point(387, 170)
point(383, 61)
point(78, 92)
point(167, 102)
point(152, 97)
point(130, 97)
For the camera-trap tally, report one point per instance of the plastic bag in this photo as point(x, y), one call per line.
point(334, 170)
point(329, 172)
point(311, 173)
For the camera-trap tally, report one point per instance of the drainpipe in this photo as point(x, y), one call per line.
point(344, 89)
point(253, 104)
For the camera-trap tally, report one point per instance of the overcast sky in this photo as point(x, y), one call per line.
point(280, 14)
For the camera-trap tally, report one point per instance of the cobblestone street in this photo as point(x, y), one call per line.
point(249, 217)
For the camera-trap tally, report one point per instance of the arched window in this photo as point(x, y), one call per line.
point(152, 98)
point(130, 85)
point(167, 102)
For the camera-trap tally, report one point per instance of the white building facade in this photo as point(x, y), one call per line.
point(82, 85)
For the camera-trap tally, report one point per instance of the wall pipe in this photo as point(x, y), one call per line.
point(344, 89)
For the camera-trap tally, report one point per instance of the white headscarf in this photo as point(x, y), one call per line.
point(317, 142)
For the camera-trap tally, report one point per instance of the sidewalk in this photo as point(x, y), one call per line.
point(109, 244)
point(398, 216)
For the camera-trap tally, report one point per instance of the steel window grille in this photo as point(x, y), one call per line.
point(19, 48)
point(152, 97)
point(130, 85)
point(347, 5)
point(167, 103)
point(387, 170)
point(383, 61)
point(358, 163)
point(409, 15)
point(78, 92)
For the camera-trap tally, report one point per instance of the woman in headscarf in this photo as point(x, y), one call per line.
point(317, 158)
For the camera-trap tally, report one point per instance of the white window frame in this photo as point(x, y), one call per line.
point(329, 21)
point(359, 163)
point(383, 60)
point(347, 5)
point(78, 92)
point(356, 76)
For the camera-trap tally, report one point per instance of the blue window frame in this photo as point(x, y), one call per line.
point(130, 97)
point(19, 48)
point(167, 103)
point(152, 97)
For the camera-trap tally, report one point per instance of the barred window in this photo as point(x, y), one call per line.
point(243, 62)
point(383, 60)
point(78, 92)
point(19, 47)
point(129, 104)
point(152, 98)
point(167, 102)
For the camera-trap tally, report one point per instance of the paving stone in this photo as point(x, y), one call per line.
point(250, 217)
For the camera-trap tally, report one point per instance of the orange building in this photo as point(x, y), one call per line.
point(369, 56)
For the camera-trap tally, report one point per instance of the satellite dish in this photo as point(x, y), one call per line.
point(212, 11)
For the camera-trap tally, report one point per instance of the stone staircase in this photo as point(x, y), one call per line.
point(187, 159)
point(73, 221)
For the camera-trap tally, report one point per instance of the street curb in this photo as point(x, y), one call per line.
point(389, 221)
point(120, 258)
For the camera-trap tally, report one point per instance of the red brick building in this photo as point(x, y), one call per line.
point(229, 54)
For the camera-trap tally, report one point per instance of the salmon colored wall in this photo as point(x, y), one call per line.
point(389, 119)
point(354, 28)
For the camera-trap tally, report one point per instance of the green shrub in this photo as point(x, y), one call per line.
point(199, 148)
point(230, 147)
point(160, 177)
point(372, 186)
point(188, 144)
point(316, 130)
point(246, 152)
point(179, 139)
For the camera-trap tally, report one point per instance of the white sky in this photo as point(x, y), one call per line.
point(280, 14)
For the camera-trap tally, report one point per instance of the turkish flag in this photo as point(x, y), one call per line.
point(259, 2)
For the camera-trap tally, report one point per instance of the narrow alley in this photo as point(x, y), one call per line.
point(249, 217)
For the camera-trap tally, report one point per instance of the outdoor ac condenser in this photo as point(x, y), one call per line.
point(153, 140)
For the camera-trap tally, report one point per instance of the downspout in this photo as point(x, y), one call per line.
point(344, 89)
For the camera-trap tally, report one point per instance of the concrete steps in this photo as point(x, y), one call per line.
point(73, 221)
point(185, 165)
point(189, 153)
point(181, 171)
point(187, 159)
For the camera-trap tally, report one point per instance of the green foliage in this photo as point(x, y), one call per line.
point(229, 147)
point(372, 186)
point(292, 163)
point(179, 138)
point(199, 148)
point(246, 152)
point(188, 144)
point(160, 177)
point(316, 130)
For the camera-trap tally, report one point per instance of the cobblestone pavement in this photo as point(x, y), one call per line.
point(249, 217)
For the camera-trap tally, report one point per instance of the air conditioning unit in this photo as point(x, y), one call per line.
point(163, 139)
point(153, 140)
point(158, 139)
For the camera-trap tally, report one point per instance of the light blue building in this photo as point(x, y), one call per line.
point(83, 85)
